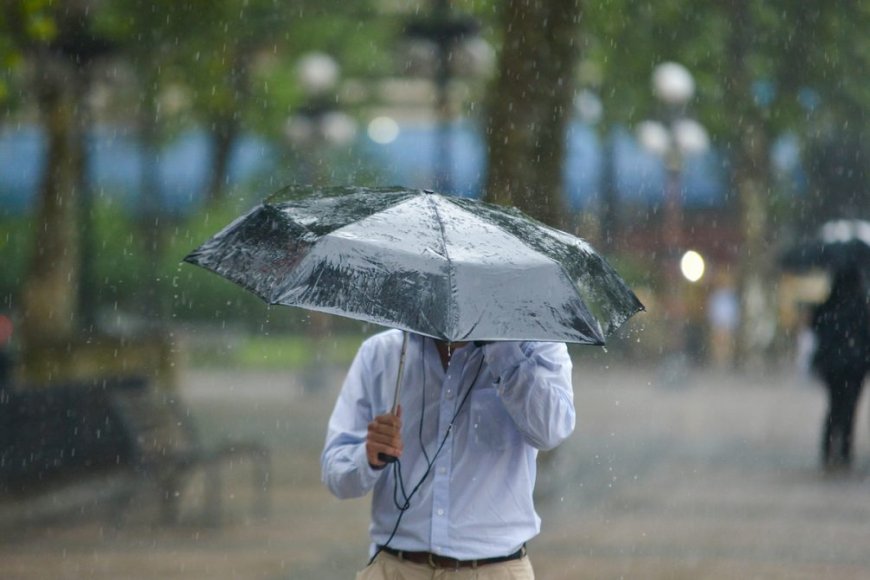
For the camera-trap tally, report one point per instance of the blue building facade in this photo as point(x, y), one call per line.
point(117, 166)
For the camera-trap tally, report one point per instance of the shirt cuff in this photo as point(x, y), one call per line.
point(503, 357)
point(368, 474)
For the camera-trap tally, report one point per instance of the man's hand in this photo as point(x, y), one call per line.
point(384, 436)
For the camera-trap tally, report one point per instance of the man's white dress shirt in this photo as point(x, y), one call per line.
point(476, 501)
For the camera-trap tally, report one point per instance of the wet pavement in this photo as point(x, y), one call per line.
point(696, 474)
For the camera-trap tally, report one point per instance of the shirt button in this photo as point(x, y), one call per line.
point(440, 512)
point(442, 470)
point(449, 393)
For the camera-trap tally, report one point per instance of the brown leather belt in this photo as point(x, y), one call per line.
point(436, 561)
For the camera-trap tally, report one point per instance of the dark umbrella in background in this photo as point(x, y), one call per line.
point(838, 245)
point(450, 268)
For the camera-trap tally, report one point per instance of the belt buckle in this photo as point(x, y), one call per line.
point(457, 564)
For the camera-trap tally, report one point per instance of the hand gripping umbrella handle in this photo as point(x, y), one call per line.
point(383, 456)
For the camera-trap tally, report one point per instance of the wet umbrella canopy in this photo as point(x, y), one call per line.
point(451, 268)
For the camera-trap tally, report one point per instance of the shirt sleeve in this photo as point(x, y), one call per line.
point(344, 466)
point(534, 384)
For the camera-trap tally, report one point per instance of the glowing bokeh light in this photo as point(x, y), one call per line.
point(692, 266)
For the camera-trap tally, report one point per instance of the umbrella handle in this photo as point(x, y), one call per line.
point(387, 458)
point(383, 456)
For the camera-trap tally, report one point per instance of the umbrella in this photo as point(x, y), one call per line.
point(450, 268)
point(839, 244)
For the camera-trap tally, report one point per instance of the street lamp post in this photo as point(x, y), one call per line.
point(590, 110)
point(315, 127)
point(672, 139)
point(318, 123)
point(444, 31)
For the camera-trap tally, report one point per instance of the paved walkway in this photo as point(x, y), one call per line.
point(669, 475)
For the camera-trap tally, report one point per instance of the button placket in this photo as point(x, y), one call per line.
point(441, 477)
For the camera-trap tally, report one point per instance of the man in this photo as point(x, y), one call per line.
point(467, 433)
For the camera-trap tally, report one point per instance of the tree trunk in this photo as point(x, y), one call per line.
point(223, 137)
point(50, 289)
point(226, 124)
point(751, 179)
point(151, 215)
point(530, 105)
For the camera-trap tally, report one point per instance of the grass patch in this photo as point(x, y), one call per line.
point(278, 352)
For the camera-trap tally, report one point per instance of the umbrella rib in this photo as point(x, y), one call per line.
point(444, 252)
point(555, 234)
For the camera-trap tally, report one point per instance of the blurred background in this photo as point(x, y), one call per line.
point(132, 130)
point(693, 143)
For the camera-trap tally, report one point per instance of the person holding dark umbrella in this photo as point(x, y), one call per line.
point(842, 328)
point(480, 300)
point(471, 420)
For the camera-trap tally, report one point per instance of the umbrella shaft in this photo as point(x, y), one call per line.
point(383, 456)
point(399, 374)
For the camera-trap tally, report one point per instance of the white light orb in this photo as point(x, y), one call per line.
point(673, 84)
point(692, 266)
point(383, 130)
point(317, 72)
point(691, 137)
point(589, 107)
point(475, 58)
point(654, 137)
point(338, 128)
point(298, 129)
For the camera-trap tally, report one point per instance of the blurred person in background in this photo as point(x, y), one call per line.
point(805, 341)
point(841, 325)
point(723, 312)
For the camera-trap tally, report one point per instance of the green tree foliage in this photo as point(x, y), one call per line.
point(228, 65)
point(757, 64)
point(762, 67)
point(25, 25)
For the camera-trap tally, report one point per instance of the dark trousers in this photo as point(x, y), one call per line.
point(844, 390)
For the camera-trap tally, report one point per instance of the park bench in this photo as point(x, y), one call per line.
point(54, 434)
point(164, 449)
